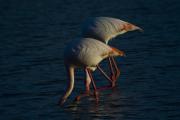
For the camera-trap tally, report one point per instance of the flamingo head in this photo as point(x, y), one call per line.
point(62, 101)
point(117, 52)
point(131, 27)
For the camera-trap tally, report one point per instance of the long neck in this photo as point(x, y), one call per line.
point(70, 74)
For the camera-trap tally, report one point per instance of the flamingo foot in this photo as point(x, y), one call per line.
point(107, 87)
point(85, 94)
point(96, 94)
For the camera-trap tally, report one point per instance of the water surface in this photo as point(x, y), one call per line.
point(32, 75)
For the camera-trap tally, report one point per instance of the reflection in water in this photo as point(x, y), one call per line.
point(111, 105)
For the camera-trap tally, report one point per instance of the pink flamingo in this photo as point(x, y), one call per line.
point(86, 53)
point(104, 29)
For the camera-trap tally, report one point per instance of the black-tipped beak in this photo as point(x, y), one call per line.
point(139, 29)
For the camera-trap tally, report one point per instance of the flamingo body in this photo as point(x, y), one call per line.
point(86, 52)
point(106, 28)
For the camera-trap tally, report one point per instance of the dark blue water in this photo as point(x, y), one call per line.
point(32, 75)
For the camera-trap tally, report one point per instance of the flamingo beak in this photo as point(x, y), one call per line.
point(131, 27)
point(62, 101)
point(118, 52)
point(121, 53)
point(138, 28)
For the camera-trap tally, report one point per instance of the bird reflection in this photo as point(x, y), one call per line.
point(107, 108)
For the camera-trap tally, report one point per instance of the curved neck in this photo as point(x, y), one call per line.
point(70, 74)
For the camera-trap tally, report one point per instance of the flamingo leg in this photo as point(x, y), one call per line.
point(115, 72)
point(113, 76)
point(108, 78)
point(87, 81)
point(105, 75)
point(116, 68)
point(94, 86)
point(87, 87)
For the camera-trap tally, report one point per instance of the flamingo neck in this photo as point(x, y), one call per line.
point(70, 74)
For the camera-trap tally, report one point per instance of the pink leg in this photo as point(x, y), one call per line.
point(87, 87)
point(87, 81)
point(89, 78)
point(113, 76)
point(107, 77)
point(94, 86)
point(116, 68)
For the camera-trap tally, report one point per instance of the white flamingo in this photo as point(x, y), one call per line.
point(104, 29)
point(86, 53)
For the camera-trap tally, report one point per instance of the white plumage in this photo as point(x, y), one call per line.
point(86, 52)
point(106, 28)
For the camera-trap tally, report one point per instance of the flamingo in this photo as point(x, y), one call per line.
point(86, 53)
point(104, 29)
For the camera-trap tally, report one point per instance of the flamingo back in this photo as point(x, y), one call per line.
point(86, 52)
point(103, 28)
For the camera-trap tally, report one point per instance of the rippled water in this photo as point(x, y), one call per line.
point(32, 76)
